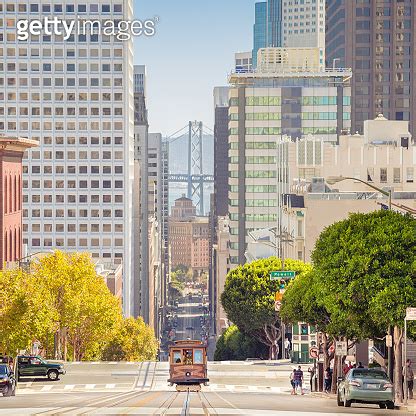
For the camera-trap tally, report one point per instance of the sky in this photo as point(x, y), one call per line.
point(191, 53)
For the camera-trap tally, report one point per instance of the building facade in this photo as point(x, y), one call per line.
point(188, 237)
point(75, 98)
point(304, 25)
point(267, 29)
point(385, 156)
point(12, 150)
point(264, 107)
point(376, 39)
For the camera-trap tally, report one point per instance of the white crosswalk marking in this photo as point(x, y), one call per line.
point(46, 388)
point(110, 386)
point(69, 387)
point(89, 386)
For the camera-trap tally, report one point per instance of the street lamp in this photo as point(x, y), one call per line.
point(332, 180)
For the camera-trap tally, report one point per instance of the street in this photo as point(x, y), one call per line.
point(235, 388)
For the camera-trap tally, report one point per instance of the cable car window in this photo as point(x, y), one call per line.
point(188, 357)
point(198, 357)
point(177, 357)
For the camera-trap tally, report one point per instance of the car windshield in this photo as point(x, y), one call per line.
point(3, 369)
point(370, 374)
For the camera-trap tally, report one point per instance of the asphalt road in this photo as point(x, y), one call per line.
point(253, 388)
point(235, 388)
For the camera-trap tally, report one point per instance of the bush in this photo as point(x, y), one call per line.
point(235, 345)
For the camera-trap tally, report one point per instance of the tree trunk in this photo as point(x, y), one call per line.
point(398, 365)
point(65, 345)
point(335, 374)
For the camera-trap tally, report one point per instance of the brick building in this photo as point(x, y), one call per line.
point(11, 155)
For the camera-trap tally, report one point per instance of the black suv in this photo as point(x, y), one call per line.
point(7, 381)
point(34, 366)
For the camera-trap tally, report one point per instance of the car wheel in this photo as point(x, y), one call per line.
point(381, 405)
point(7, 392)
point(53, 375)
point(347, 403)
point(339, 401)
point(390, 405)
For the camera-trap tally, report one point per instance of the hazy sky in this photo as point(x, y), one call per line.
point(191, 53)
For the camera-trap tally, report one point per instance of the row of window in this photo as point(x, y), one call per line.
point(81, 38)
point(254, 145)
point(59, 82)
point(81, 154)
point(72, 199)
point(254, 203)
point(61, 125)
point(61, 96)
point(61, 8)
point(257, 116)
point(69, 67)
point(72, 170)
point(255, 217)
point(82, 242)
point(255, 188)
point(63, 111)
point(72, 213)
point(58, 53)
point(276, 101)
point(254, 174)
point(82, 184)
point(319, 116)
point(319, 130)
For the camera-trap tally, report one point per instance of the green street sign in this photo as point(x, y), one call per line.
point(284, 274)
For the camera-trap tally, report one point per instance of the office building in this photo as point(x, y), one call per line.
point(383, 156)
point(304, 25)
point(75, 98)
point(267, 29)
point(12, 150)
point(376, 39)
point(264, 107)
point(243, 61)
point(188, 237)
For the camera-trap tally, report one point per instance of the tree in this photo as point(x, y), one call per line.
point(133, 341)
point(248, 299)
point(235, 345)
point(366, 272)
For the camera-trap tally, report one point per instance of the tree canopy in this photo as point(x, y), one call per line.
point(248, 297)
point(62, 299)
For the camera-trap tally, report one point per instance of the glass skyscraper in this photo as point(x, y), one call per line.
point(268, 25)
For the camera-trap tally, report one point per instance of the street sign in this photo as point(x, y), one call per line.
point(278, 296)
point(313, 353)
point(282, 274)
point(277, 305)
point(411, 314)
point(341, 348)
point(389, 341)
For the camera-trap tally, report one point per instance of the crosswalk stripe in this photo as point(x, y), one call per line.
point(69, 387)
point(46, 388)
point(89, 386)
point(110, 386)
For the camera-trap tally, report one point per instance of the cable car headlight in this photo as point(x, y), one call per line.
point(188, 373)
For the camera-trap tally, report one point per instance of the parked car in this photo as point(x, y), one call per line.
point(7, 381)
point(34, 366)
point(362, 385)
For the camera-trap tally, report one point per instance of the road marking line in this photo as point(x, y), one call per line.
point(110, 386)
point(90, 386)
point(69, 387)
point(46, 388)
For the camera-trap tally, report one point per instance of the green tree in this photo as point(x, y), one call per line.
point(235, 345)
point(248, 299)
point(366, 272)
point(133, 341)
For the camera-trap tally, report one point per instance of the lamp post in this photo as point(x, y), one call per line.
point(335, 179)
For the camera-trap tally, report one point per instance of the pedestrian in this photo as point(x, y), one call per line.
point(292, 381)
point(360, 364)
point(345, 369)
point(409, 378)
point(327, 380)
point(311, 371)
point(298, 376)
point(287, 348)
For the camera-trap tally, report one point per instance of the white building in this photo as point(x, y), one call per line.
point(304, 25)
point(75, 98)
point(243, 61)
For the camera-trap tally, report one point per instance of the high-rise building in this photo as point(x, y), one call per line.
point(74, 97)
point(264, 107)
point(267, 29)
point(164, 220)
point(304, 25)
point(376, 39)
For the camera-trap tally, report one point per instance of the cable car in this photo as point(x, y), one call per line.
point(188, 365)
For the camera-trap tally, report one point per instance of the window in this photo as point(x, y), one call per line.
point(383, 175)
point(396, 175)
point(409, 175)
point(198, 357)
